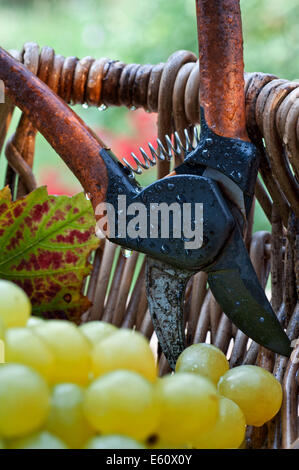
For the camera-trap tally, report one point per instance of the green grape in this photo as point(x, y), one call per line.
point(113, 441)
point(229, 430)
point(66, 419)
point(24, 347)
point(70, 348)
point(38, 440)
point(122, 402)
point(24, 400)
point(34, 321)
point(15, 306)
point(125, 349)
point(255, 390)
point(2, 445)
point(203, 359)
point(189, 407)
point(96, 331)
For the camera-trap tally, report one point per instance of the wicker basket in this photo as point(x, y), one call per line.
point(171, 89)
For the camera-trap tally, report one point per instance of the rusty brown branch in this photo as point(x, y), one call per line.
point(221, 66)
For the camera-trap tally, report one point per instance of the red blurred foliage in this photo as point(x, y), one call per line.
point(56, 182)
point(142, 127)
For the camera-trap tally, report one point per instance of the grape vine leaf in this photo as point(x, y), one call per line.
point(45, 244)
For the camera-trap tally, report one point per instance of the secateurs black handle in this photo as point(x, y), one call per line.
point(222, 253)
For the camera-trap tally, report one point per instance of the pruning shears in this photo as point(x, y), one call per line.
point(220, 173)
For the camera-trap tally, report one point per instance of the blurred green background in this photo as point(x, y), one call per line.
point(143, 32)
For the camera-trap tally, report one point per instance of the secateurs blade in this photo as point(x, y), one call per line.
point(217, 178)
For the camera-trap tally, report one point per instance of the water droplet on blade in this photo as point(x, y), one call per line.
point(164, 249)
point(205, 153)
point(180, 198)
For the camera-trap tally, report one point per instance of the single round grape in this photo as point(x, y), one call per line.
point(38, 440)
point(122, 402)
point(203, 359)
point(34, 321)
point(15, 306)
point(229, 430)
point(24, 400)
point(113, 441)
point(189, 407)
point(255, 390)
point(24, 347)
point(70, 348)
point(96, 331)
point(125, 349)
point(66, 419)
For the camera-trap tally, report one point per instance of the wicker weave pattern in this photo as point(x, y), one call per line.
point(172, 90)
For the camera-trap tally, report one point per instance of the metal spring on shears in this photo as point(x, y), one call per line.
point(176, 148)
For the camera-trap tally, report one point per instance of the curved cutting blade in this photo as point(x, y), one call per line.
point(236, 288)
point(165, 286)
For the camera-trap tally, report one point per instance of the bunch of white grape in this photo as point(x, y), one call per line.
point(96, 387)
